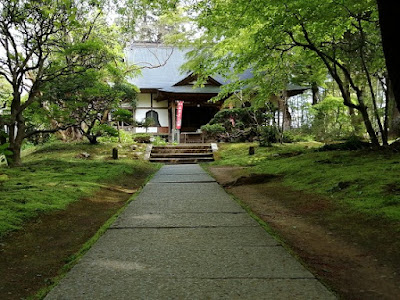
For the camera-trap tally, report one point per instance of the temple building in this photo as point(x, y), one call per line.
point(163, 84)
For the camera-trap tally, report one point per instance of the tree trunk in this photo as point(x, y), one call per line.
point(315, 93)
point(92, 139)
point(17, 131)
point(393, 114)
point(287, 124)
point(367, 122)
point(388, 20)
point(14, 160)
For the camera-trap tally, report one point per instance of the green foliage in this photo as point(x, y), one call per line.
point(67, 59)
point(238, 124)
point(294, 41)
point(268, 135)
point(331, 119)
point(159, 141)
point(294, 136)
point(4, 151)
point(104, 130)
point(122, 115)
point(85, 98)
point(351, 143)
point(122, 137)
point(5, 92)
point(141, 138)
point(213, 130)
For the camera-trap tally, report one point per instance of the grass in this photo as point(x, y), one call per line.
point(362, 180)
point(57, 174)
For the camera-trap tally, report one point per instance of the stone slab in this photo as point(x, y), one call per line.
point(191, 220)
point(174, 178)
point(184, 192)
point(181, 262)
point(183, 197)
point(188, 238)
point(181, 169)
point(147, 287)
point(185, 238)
point(172, 207)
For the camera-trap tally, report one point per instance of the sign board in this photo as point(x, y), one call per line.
point(179, 110)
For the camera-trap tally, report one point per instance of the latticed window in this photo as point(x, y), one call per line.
point(153, 115)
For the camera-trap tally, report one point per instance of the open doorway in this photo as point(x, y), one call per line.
point(193, 117)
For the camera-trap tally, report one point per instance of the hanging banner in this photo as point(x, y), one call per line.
point(179, 110)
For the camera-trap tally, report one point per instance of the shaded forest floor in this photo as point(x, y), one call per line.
point(353, 250)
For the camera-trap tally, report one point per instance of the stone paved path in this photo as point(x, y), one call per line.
point(185, 238)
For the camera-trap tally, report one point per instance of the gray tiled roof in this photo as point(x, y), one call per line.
point(160, 65)
point(188, 89)
point(161, 68)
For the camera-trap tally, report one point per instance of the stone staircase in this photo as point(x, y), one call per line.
point(182, 154)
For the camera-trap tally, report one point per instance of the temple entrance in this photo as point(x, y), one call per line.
point(195, 116)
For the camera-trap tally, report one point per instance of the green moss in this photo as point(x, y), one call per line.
point(366, 181)
point(54, 176)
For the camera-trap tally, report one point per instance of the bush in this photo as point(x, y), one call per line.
point(4, 151)
point(294, 136)
point(268, 135)
point(159, 141)
point(213, 130)
point(104, 130)
point(142, 138)
point(352, 143)
point(237, 124)
point(124, 136)
point(332, 120)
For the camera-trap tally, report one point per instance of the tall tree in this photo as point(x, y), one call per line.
point(83, 101)
point(389, 21)
point(264, 36)
point(42, 41)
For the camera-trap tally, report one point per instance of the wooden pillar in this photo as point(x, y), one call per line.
point(173, 115)
point(173, 108)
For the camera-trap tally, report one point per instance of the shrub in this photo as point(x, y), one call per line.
point(268, 135)
point(331, 119)
point(213, 130)
point(352, 143)
point(142, 138)
point(294, 136)
point(124, 136)
point(159, 141)
point(4, 151)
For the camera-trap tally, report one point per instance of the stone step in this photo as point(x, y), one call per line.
point(181, 154)
point(184, 146)
point(183, 150)
point(181, 160)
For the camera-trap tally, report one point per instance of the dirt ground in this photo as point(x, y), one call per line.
point(355, 256)
point(32, 257)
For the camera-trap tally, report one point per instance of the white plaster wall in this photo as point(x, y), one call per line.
point(163, 103)
point(144, 100)
point(143, 130)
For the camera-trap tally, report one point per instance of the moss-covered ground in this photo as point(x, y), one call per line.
point(56, 174)
point(362, 180)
